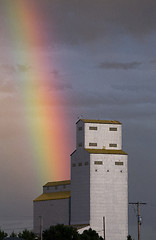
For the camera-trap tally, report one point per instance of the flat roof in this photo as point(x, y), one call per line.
point(99, 121)
point(50, 184)
point(105, 151)
point(53, 196)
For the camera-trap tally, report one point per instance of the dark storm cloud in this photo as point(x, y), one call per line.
point(113, 97)
point(75, 22)
point(102, 35)
point(101, 106)
point(119, 65)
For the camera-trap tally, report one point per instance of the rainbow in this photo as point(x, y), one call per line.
point(46, 119)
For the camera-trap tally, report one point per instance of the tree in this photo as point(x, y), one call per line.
point(3, 234)
point(27, 235)
point(129, 237)
point(13, 234)
point(90, 235)
point(60, 232)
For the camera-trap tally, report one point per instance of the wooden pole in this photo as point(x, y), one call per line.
point(138, 215)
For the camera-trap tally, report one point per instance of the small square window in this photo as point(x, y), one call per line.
point(93, 144)
point(80, 128)
point(113, 129)
point(98, 162)
point(119, 163)
point(80, 144)
point(80, 164)
point(86, 163)
point(74, 165)
point(113, 145)
point(92, 128)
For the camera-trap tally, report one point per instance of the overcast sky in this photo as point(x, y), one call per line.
point(102, 56)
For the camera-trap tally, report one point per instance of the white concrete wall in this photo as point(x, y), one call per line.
point(80, 187)
point(109, 195)
point(52, 212)
point(103, 136)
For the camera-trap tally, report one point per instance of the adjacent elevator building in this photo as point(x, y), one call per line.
point(98, 189)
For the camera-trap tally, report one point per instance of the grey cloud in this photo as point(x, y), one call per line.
point(75, 22)
point(61, 86)
point(23, 68)
point(119, 65)
point(57, 86)
point(7, 68)
point(113, 98)
point(59, 83)
point(135, 88)
point(55, 73)
point(153, 61)
point(7, 86)
point(110, 106)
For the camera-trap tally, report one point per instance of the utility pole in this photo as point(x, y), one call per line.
point(41, 227)
point(138, 215)
point(104, 229)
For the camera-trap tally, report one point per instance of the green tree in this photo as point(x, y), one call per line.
point(61, 232)
point(129, 237)
point(27, 235)
point(90, 235)
point(3, 234)
point(13, 234)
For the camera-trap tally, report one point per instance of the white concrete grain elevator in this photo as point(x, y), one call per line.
point(99, 179)
point(97, 195)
